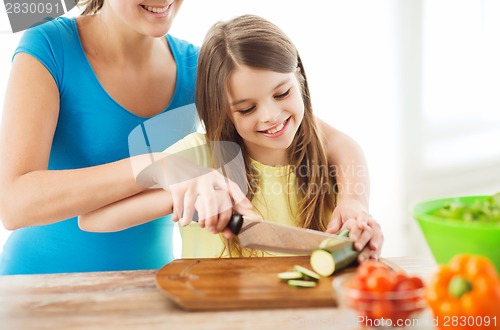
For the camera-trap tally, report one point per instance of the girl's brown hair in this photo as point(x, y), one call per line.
point(252, 41)
point(91, 6)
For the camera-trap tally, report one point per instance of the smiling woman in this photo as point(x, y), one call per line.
point(83, 75)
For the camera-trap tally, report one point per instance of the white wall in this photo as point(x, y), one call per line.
point(365, 63)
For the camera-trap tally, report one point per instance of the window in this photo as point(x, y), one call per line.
point(461, 83)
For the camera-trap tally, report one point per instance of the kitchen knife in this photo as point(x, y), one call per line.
point(268, 236)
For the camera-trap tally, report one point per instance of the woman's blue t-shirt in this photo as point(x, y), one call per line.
point(94, 129)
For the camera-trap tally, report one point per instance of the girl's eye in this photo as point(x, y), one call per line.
point(283, 95)
point(246, 111)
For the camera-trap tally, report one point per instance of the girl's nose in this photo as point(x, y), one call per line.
point(270, 113)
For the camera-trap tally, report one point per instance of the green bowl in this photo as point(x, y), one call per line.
point(449, 237)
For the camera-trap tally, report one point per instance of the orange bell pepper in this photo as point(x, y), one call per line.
point(465, 294)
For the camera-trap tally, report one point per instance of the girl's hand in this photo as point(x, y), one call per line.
point(364, 230)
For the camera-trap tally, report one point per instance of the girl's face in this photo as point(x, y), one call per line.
point(148, 17)
point(266, 108)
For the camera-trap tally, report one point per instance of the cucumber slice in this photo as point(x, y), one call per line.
point(322, 262)
point(325, 262)
point(307, 273)
point(290, 276)
point(302, 284)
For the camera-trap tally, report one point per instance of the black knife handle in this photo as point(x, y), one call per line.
point(234, 224)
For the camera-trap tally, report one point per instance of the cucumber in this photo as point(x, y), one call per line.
point(325, 262)
point(343, 233)
point(307, 273)
point(285, 276)
point(331, 242)
point(302, 284)
point(326, 243)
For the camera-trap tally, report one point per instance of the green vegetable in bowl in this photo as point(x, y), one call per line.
point(484, 211)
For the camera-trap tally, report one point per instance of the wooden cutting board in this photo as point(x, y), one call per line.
point(240, 283)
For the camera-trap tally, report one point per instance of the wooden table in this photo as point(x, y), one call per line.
point(131, 300)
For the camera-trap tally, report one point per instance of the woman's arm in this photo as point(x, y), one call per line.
point(132, 211)
point(29, 193)
point(214, 207)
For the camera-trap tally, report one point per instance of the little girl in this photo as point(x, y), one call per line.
point(252, 90)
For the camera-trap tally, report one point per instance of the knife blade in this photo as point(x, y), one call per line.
point(268, 236)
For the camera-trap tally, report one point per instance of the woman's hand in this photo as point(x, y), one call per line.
point(195, 189)
point(218, 222)
point(365, 231)
point(214, 198)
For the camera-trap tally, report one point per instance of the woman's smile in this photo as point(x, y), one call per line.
point(157, 11)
